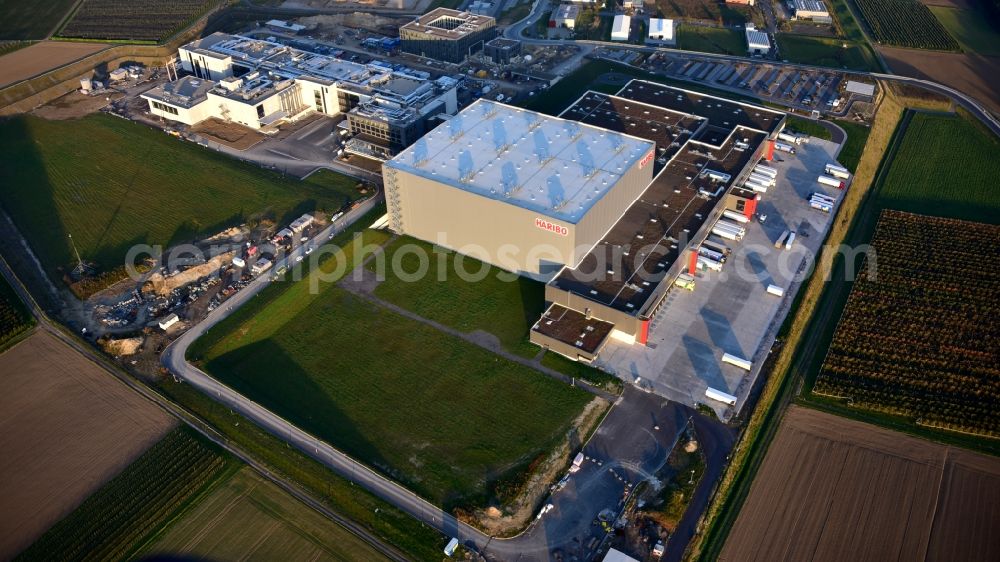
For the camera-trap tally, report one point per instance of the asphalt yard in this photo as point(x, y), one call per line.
point(730, 311)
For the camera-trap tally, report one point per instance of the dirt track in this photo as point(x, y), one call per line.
point(66, 427)
point(833, 489)
point(40, 57)
point(973, 74)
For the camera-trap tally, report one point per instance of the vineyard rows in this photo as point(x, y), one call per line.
point(905, 23)
point(919, 335)
point(139, 20)
point(14, 317)
point(111, 524)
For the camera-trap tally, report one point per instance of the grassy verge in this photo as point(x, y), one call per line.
point(807, 126)
point(854, 146)
point(111, 184)
point(114, 521)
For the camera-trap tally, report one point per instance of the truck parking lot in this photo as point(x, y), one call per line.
point(731, 311)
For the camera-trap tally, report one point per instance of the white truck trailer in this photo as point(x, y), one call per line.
point(781, 239)
point(726, 233)
point(766, 170)
point(720, 396)
point(838, 171)
point(734, 216)
point(832, 182)
point(791, 239)
point(738, 361)
point(790, 138)
point(784, 147)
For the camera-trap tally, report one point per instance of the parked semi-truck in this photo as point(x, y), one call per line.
point(761, 178)
point(726, 233)
point(822, 206)
point(738, 361)
point(710, 264)
point(717, 245)
point(711, 254)
point(784, 147)
point(733, 215)
point(824, 197)
point(755, 186)
point(732, 226)
point(838, 171)
point(832, 182)
point(766, 170)
point(790, 138)
point(791, 239)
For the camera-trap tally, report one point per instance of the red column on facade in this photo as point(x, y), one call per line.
point(643, 335)
point(750, 208)
point(693, 261)
point(770, 150)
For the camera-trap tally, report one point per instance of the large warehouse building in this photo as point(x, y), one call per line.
point(522, 190)
point(609, 201)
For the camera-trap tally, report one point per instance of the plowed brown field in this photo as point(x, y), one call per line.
point(833, 489)
point(66, 427)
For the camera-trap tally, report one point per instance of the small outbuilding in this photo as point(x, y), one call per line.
point(168, 321)
point(621, 27)
point(661, 30)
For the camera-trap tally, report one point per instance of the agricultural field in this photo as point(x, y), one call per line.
point(971, 27)
point(21, 20)
point(442, 415)
point(247, 517)
point(905, 23)
point(113, 523)
point(946, 166)
point(111, 184)
point(133, 20)
point(832, 489)
point(720, 40)
point(823, 51)
point(68, 427)
point(14, 316)
point(40, 57)
point(918, 337)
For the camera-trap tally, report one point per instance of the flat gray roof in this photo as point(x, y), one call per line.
point(556, 167)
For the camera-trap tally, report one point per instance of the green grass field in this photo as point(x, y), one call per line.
point(247, 517)
point(822, 51)
point(807, 126)
point(31, 20)
point(971, 28)
point(111, 183)
point(14, 316)
point(946, 167)
point(720, 40)
point(857, 138)
point(115, 521)
point(445, 417)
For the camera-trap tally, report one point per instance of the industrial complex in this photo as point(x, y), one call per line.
point(447, 35)
point(609, 202)
point(258, 83)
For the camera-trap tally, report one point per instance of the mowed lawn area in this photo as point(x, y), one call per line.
point(21, 19)
point(443, 416)
point(487, 298)
point(249, 518)
point(823, 51)
point(111, 183)
point(945, 166)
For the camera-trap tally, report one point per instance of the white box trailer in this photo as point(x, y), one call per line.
point(738, 361)
point(755, 186)
point(766, 170)
point(781, 239)
point(709, 263)
point(784, 147)
point(823, 197)
point(790, 138)
point(838, 171)
point(717, 245)
point(761, 178)
point(733, 215)
point(732, 226)
point(720, 396)
point(791, 239)
point(832, 182)
point(775, 290)
point(825, 207)
point(725, 233)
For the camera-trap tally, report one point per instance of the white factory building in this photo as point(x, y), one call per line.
point(258, 83)
point(521, 190)
point(661, 30)
point(814, 10)
point(565, 16)
point(757, 41)
point(620, 27)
